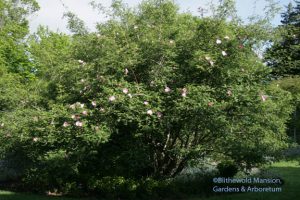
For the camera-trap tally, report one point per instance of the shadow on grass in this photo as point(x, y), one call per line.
point(289, 172)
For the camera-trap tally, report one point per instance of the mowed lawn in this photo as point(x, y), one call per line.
point(6, 195)
point(288, 170)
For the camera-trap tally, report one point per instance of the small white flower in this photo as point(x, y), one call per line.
point(183, 92)
point(112, 98)
point(81, 105)
point(82, 80)
point(125, 90)
point(224, 53)
point(84, 112)
point(73, 117)
point(229, 92)
point(2, 124)
point(126, 71)
point(167, 89)
point(135, 27)
point(146, 103)
point(73, 106)
point(149, 112)
point(130, 95)
point(66, 124)
point(94, 103)
point(102, 109)
point(81, 62)
point(35, 139)
point(98, 35)
point(218, 41)
point(171, 41)
point(207, 58)
point(211, 63)
point(79, 123)
point(227, 37)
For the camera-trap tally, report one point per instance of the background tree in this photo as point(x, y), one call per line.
point(284, 59)
point(283, 56)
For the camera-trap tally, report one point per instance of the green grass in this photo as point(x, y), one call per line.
point(6, 195)
point(288, 170)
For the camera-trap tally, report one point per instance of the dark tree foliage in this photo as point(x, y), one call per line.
point(284, 55)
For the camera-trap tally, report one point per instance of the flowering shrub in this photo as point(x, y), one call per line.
point(148, 93)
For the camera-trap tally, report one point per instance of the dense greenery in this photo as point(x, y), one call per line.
point(283, 58)
point(124, 110)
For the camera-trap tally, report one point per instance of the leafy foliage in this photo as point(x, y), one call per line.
point(151, 91)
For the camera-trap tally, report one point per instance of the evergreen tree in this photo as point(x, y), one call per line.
point(284, 55)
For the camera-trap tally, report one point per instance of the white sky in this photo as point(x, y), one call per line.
point(51, 11)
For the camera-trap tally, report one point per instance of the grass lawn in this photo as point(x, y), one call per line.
point(6, 195)
point(288, 170)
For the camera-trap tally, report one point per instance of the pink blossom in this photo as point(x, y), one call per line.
point(149, 112)
point(125, 90)
point(210, 104)
point(167, 89)
point(112, 98)
point(264, 97)
point(159, 114)
point(66, 124)
point(84, 112)
point(78, 123)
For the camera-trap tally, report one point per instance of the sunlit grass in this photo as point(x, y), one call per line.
point(288, 170)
